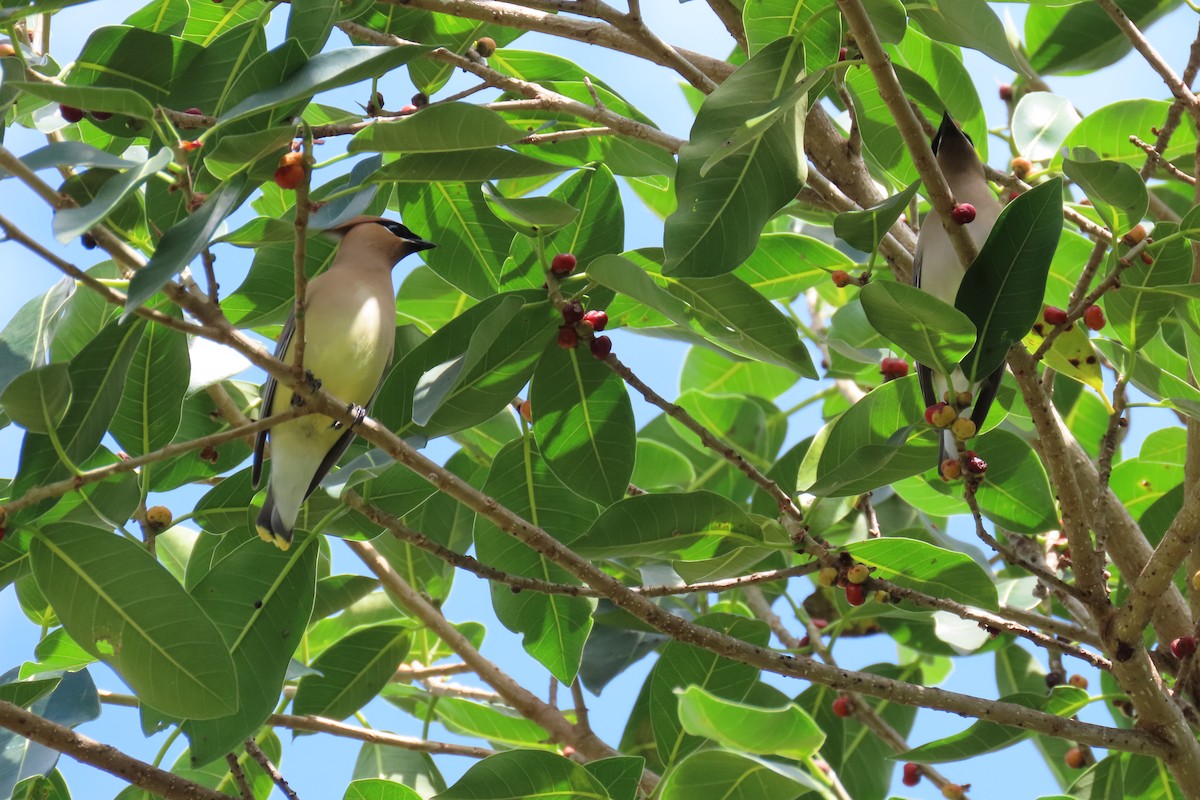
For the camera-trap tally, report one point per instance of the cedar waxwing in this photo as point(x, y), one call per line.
point(938, 270)
point(349, 333)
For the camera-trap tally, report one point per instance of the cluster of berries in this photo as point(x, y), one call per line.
point(851, 582)
point(576, 321)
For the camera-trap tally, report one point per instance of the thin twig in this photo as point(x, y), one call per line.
point(300, 254)
point(264, 761)
point(1154, 159)
point(239, 777)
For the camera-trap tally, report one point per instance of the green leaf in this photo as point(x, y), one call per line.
point(988, 737)
point(492, 724)
point(140, 61)
point(682, 665)
point(152, 403)
point(236, 153)
point(554, 627)
point(722, 309)
point(376, 789)
point(721, 213)
point(183, 243)
point(124, 608)
point(1151, 378)
point(352, 671)
point(92, 98)
point(970, 23)
point(438, 128)
point(72, 222)
point(1116, 190)
point(713, 373)
point(324, 71)
point(37, 400)
point(866, 229)
point(472, 243)
point(471, 166)
point(25, 340)
point(667, 525)
point(1105, 131)
point(260, 599)
point(1083, 37)
point(927, 568)
point(208, 81)
point(25, 693)
point(1041, 122)
point(402, 766)
point(934, 333)
point(817, 23)
point(530, 216)
point(787, 731)
point(734, 776)
point(583, 423)
point(310, 22)
point(1002, 291)
point(869, 445)
point(621, 775)
point(526, 773)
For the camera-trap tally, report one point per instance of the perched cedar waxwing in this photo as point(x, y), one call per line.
point(349, 333)
point(938, 270)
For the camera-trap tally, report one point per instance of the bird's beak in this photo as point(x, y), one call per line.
point(417, 245)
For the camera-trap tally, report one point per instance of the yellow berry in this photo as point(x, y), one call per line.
point(963, 429)
point(1078, 681)
point(963, 399)
point(858, 573)
point(827, 576)
point(943, 417)
point(158, 518)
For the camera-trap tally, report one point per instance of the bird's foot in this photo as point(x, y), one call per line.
point(355, 410)
point(313, 384)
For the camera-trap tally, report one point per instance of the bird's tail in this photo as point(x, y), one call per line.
point(270, 525)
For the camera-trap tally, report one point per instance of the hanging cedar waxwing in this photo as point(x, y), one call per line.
point(938, 270)
point(349, 333)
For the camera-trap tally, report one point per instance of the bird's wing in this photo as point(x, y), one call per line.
point(268, 399)
point(984, 395)
point(335, 453)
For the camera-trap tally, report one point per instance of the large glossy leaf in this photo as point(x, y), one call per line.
point(183, 243)
point(152, 403)
point(491, 164)
point(667, 525)
point(123, 607)
point(25, 340)
point(130, 58)
point(554, 627)
point(721, 213)
point(927, 568)
point(734, 776)
point(1104, 131)
point(438, 128)
point(583, 423)
point(72, 222)
point(682, 665)
point(1115, 188)
point(38, 399)
point(723, 309)
point(525, 773)
point(208, 80)
point(817, 22)
point(934, 333)
point(324, 71)
point(377, 789)
point(786, 731)
point(492, 724)
point(865, 229)
point(260, 599)
point(1040, 123)
point(869, 445)
point(352, 671)
point(1136, 316)
point(1002, 291)
point(1083, 37)
point(970, 23)
point(93, 98)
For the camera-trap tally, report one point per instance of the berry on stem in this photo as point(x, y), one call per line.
point(858, 573)
point(1135, 235)
point(1183, 647)
point(912, 774)
point(842, 706)
point(567, 338)
point(158, 518)
point(963, 213)
point(975, 464)
point(827, 576)
point(950, 469)
point(563, 264)
point(572, 311)
point(1075, 758)
point(1078, 681)
point(101, 116)
point(408, 109)
point(526, 410)
point(1021, 166)
point(1093, 317)
point(1006, 92)
point(856, 595)
point(893, 368)
point(1054, 315)
point(70, 113)
point(841, 278)
point(962, 428)
point(598, 320)
point(601, 346)
point(485, 46)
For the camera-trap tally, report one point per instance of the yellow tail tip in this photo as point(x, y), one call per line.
point(281, 542)
point(264, 533)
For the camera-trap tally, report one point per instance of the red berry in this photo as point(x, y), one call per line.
point(289, 176)
point(572, 312)
point(1021, 166)
point(1074, 758)
point(805, 642)
point(188, 147)
point(193, 111)
point(912, 774)
point(842, 54)
point(70, 113)
point(598, 319)
point(1006, 93)
point(963, 213)
point(975, 464)
point(567, 338)
point(527, 410)
point(1183, 647)
point(950, 469)
point(842, 706)
point(841, 278)
point(601, 346)
point(1054, 316)
point(931, 411)
point(856, 595)
point(100, 116)
point(408, 109)
point(893, 368)
point(1094, 317)
point(563, 264)
point(820, 623)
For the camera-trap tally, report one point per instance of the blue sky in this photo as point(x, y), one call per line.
point(319, 766)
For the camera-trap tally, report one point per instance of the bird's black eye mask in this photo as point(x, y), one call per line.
point(398, 230)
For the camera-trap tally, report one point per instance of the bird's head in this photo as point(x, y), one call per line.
point(955, 152)
point(376, 236)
